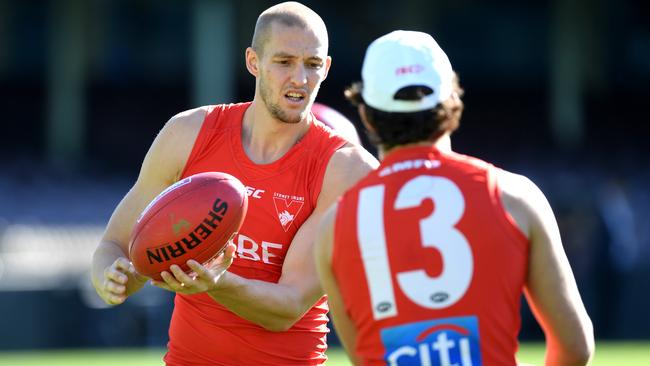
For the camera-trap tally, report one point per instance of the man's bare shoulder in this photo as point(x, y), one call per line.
point(188, 121)
point(346, 167)
point(180, 132)
point(170, 150)
point(352, 156)
point(514, 185)
point(521, 198)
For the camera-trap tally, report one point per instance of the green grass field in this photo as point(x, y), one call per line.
point(607, 354)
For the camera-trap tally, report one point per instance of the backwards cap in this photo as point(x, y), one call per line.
point(401, 59)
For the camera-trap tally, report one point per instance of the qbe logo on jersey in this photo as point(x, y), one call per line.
point(442, 342)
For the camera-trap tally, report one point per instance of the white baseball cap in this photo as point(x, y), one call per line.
point(400, 59)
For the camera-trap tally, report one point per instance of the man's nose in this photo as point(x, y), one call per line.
point(299, 75)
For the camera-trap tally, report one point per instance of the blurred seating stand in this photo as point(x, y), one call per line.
point(45, 257)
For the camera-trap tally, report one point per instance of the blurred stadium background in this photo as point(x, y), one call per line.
point(556, 90)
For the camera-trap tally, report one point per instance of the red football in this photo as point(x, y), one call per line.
point(192, 219)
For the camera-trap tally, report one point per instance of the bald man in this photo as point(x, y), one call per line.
point(259, 303)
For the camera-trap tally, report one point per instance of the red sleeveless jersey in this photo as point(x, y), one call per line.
point(282, 195)
point(430, 266)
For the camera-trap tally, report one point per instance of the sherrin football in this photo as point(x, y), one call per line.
point(192, 219)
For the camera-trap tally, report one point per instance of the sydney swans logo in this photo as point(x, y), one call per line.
point(287, 208)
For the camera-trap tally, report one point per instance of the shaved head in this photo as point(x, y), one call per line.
point(289, 14)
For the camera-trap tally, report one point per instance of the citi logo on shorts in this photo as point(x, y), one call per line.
point(441, 342)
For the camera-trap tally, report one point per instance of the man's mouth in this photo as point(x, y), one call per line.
point(294, 96)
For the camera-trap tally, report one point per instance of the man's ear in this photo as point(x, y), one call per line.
point(361, 108)
point(252, 60)
point(328, 64)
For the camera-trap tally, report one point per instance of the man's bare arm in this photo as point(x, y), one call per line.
point(113, 276)
point(551, 289)
point(345, 329)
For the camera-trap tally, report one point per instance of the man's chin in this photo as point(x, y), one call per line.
point(289, 115)
point(294, 118)
point(291, 121)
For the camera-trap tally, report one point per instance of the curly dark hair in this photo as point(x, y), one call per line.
point(397, 128)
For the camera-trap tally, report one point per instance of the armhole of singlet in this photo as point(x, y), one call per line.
point(201, 137)
point(336, 232)
point(508, 223)
point(320, 173)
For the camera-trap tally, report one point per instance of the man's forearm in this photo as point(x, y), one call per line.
point(273, 306)
point(105, 254)
point(104, 257)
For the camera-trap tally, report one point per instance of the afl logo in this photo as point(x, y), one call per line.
point(383, 307)
point(439, 297)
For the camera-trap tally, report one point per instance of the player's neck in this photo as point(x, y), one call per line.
point(443, 143)
point(265, 139)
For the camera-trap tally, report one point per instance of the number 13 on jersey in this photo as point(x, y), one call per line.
point(437, 230)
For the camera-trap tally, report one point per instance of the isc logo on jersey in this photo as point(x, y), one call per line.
point(441, 342)
point(254, 192)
